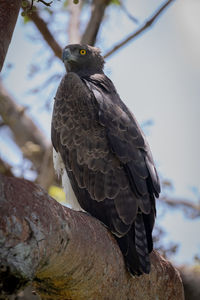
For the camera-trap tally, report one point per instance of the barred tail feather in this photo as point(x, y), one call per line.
point(141, 244)
point(127, 246)
point(135, 248)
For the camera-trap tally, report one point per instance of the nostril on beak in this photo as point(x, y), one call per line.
point(66, 54)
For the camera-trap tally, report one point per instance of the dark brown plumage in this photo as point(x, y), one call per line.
point(106, 155)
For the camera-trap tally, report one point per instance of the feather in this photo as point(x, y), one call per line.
point(141, 244)
point(106, 157)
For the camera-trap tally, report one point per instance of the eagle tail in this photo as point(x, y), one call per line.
point(134, 246)
point(141, 244)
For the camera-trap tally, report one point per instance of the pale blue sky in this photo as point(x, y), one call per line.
point(157, 76)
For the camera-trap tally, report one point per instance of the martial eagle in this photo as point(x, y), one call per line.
point(103, 157)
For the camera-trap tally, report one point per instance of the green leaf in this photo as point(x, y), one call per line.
point(24, 3)
point(26, 19)
point(23, 14)
point(115, 2)
point(65, 4)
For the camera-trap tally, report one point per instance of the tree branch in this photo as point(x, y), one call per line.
point(191, 282)
point(27, 136)
point(91, 31)
point(5, 168)
point(141, 29)
point(68, 254)
point(174, 202)
point(45, 3)
point(74, 22)
point(47, 35)
point(9, 11)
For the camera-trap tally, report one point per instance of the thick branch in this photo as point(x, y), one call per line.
point(5, 168)
point(68, 254)
point(91, 31)
point(141, 29)
point(9, 11)
point(27, 135)
point(47, 35)
point(191, 282)
point(74, 22)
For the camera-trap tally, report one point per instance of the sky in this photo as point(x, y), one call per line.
point(157, 76)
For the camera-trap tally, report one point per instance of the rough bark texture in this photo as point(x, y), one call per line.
point(28, 137)
point(67, 254)
point(191, 282)
point(8, 16)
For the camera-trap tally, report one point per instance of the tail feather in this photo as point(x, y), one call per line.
point(135, 248)
point(141, 244)
point(127, 246)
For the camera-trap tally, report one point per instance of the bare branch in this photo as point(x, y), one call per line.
point(74, 22)
point(174, 202)
point(45, 3)
point(191, 282)
point(9, 11)
point(69, 254)
point(91, 31)
point(27, 136)
point(47, 35)
point(5, 168)
point(125, 10)
point(139, 31)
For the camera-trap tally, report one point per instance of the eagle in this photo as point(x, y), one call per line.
point(103, 156)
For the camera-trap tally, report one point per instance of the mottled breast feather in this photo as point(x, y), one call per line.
point(106, 156)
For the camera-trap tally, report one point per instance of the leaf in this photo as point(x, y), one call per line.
point(66, 3)
point(26, 19)
point(115, 2)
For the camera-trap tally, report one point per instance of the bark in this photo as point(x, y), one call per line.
point(5, 168)
point(74, 36)
point(191, 282)
point(27, 136)
point(68, 254)
point(91, 31)
point(9, 11)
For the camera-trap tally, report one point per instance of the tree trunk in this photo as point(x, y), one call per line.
point(68, 254)
point(9, 11)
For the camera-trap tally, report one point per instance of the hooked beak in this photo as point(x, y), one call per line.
point(68, 56)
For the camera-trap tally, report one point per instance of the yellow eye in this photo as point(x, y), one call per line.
point(82, 51)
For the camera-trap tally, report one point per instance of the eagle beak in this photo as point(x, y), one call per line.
point(68, 56)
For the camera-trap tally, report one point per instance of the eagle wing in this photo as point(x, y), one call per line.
point(106, 156)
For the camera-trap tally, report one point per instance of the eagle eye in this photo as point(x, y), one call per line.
point(82, 51)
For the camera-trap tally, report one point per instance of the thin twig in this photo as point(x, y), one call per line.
point(173, 202)
point(144, 27)
point(125, 10)
point(45, 3)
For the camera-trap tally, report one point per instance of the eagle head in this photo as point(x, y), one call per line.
point(82, 59)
